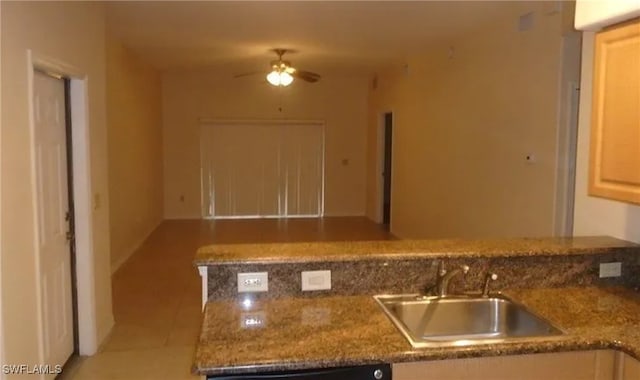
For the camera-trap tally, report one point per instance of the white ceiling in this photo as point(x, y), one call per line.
point(328, 35)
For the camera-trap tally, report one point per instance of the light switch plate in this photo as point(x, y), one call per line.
point(610, 269)
point(253, 282)
point(316, 280)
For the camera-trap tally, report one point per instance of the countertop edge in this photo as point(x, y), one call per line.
point(245, 254)
point(409, 256)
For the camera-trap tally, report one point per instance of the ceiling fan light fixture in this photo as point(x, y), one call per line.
point(279, 78)
point(282, 74)
point(285, 78)
point(274, 78)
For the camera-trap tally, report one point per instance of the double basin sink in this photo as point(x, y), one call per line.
point(463, 320)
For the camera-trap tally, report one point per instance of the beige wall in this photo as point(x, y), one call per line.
point(1, 231)
point(72, 33)
point(466, 114)
point(134, 128)
point(339, 100)
point(597, 216)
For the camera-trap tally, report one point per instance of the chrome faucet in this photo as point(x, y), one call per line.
point(444, 277)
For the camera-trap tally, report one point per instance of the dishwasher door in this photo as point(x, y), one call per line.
point(368, 372)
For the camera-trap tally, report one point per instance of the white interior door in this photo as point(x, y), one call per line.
point(52, 214)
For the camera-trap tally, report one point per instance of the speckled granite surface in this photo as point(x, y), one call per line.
point(405, 249)
point(296, 333)
point(417, 274)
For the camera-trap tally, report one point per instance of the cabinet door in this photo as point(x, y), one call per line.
point(582, 365)
point(630, 368)
point(615, 120)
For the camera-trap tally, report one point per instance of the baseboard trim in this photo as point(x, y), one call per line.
point(134, 247)
point(182, 217)
point(341, 215)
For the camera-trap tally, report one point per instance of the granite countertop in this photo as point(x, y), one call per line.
point(297, 333)
point(223, 254)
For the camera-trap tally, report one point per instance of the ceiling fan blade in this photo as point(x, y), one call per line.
point(306, 76)
point(249, 74)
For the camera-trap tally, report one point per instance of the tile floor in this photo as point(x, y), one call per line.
point(156, 293)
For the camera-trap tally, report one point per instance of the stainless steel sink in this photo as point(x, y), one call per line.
point(463, 320)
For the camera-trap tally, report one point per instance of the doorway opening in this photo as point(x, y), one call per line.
point(387, 144)
point(71, 214)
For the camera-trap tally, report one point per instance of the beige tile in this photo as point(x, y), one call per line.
point(177, 363)
point(125, 337)
point(136, 364)
point(71, 369)
point(183, 336)
point(154, 314)
point(189, 314)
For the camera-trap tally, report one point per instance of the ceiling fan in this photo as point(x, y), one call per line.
point(283, 74)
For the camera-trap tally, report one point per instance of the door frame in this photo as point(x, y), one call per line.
point(1, 309)
point(82, 190)
point(564, 201)
point(1, 324)
point(379, 211)
point(2, 361)
point(567, 135)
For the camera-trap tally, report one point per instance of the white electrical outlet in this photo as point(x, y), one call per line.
point(610, 270)
point(253, 282)
point(253, 320)
point(316, 280)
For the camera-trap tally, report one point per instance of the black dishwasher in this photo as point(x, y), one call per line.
point(369, 372)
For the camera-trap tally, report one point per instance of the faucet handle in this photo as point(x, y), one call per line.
point(490, 277)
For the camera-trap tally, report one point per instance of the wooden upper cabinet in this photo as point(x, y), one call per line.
point(615, 121)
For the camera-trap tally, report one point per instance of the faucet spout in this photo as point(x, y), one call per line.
point(445, 279)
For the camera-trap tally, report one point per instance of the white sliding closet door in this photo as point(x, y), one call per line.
point(302, 157)
point(262, 169)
